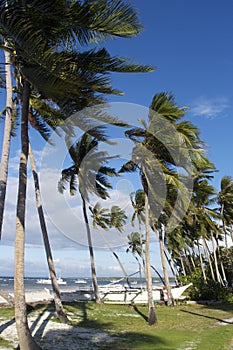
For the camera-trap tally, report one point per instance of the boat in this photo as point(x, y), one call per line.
point(139, 295)
point(48, 281)
point(80, 281)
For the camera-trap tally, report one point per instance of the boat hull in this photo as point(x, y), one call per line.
point(139, 295)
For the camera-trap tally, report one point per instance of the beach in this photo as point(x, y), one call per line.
point(36, 292)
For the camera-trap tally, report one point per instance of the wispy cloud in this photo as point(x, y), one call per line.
point(210, 108)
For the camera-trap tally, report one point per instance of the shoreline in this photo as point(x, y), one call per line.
point(46, 296)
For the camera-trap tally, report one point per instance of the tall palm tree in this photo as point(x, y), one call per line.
point(152, 318)
point(6, 136)
point(135, 246)
point(225, 200)
point(26, 340)
point(57, 297)
point(163, 146)
point(102, 218)
point(88, 175)
point(138, 203)
point(203, 218)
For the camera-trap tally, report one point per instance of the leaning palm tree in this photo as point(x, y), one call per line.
point(156, 161)
point(7, 134)
point(138, 203)
point(26, 340)
point(103, 218)
point(57, 297)
point(225, 200)
point(135, 246)
point(88, 175)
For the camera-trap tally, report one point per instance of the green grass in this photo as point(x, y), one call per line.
point(181, 327)
point(6, 344)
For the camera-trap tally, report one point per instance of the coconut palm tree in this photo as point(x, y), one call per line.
point(103, 218)
point(26, 340)
point(57, 297)
point(6, 135)
point(158, 163)
point(135, 246)
point(138, 202)
point(88, 175)
point(225, 200)
point(202, 218)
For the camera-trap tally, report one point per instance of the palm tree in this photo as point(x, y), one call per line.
point(26, 340)
point(225, 200)
point(88, 175)
point(202, 217)
point(102, 218)
point(6, 136)
point(57, 297)
point(135, 246)
point(152, 318)
point(138, 203)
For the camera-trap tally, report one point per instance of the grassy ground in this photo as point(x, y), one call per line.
point(185, 327)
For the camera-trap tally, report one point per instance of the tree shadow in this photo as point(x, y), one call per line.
point(206, 316)
point(82, 311)
point(7, 324)
point(41, 320)
point(139, 312)
point(93, 334)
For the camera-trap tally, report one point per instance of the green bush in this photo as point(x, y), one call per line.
point(210, 290)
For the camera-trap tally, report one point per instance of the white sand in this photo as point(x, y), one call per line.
point(56, 336)
point(46, 295)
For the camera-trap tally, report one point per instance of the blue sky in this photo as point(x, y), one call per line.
point(190, 43)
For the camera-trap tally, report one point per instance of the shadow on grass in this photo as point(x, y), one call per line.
point(93, 338)
point(140, 313)
point(94, 333)
point(6, 325)
point(206, 316)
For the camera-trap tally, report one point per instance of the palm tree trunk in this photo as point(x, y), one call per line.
point(116, 256)
point(219, 278)
point(208, 257)
point(221, 263)
point(201, 262)
point(187, 261)
point(171, 264)
point(56, 292)
point(182, 265)
point(90, 246)
point(6, 137)
point(152, 319)
point(191, 258)
point(26, 341)
point(170, 300)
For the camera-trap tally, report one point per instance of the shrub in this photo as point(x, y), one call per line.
point(210, 290)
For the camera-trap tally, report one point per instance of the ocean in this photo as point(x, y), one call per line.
point(31, 285)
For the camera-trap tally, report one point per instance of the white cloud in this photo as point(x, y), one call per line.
point(210, 108)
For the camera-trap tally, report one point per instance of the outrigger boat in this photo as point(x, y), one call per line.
point(120, 294)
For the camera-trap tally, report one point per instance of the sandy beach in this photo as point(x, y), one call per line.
point(53, 336)
point(45, 295)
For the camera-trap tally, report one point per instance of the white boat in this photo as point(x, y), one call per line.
point(138, 295)
point(48, 281)
point(80, 281)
